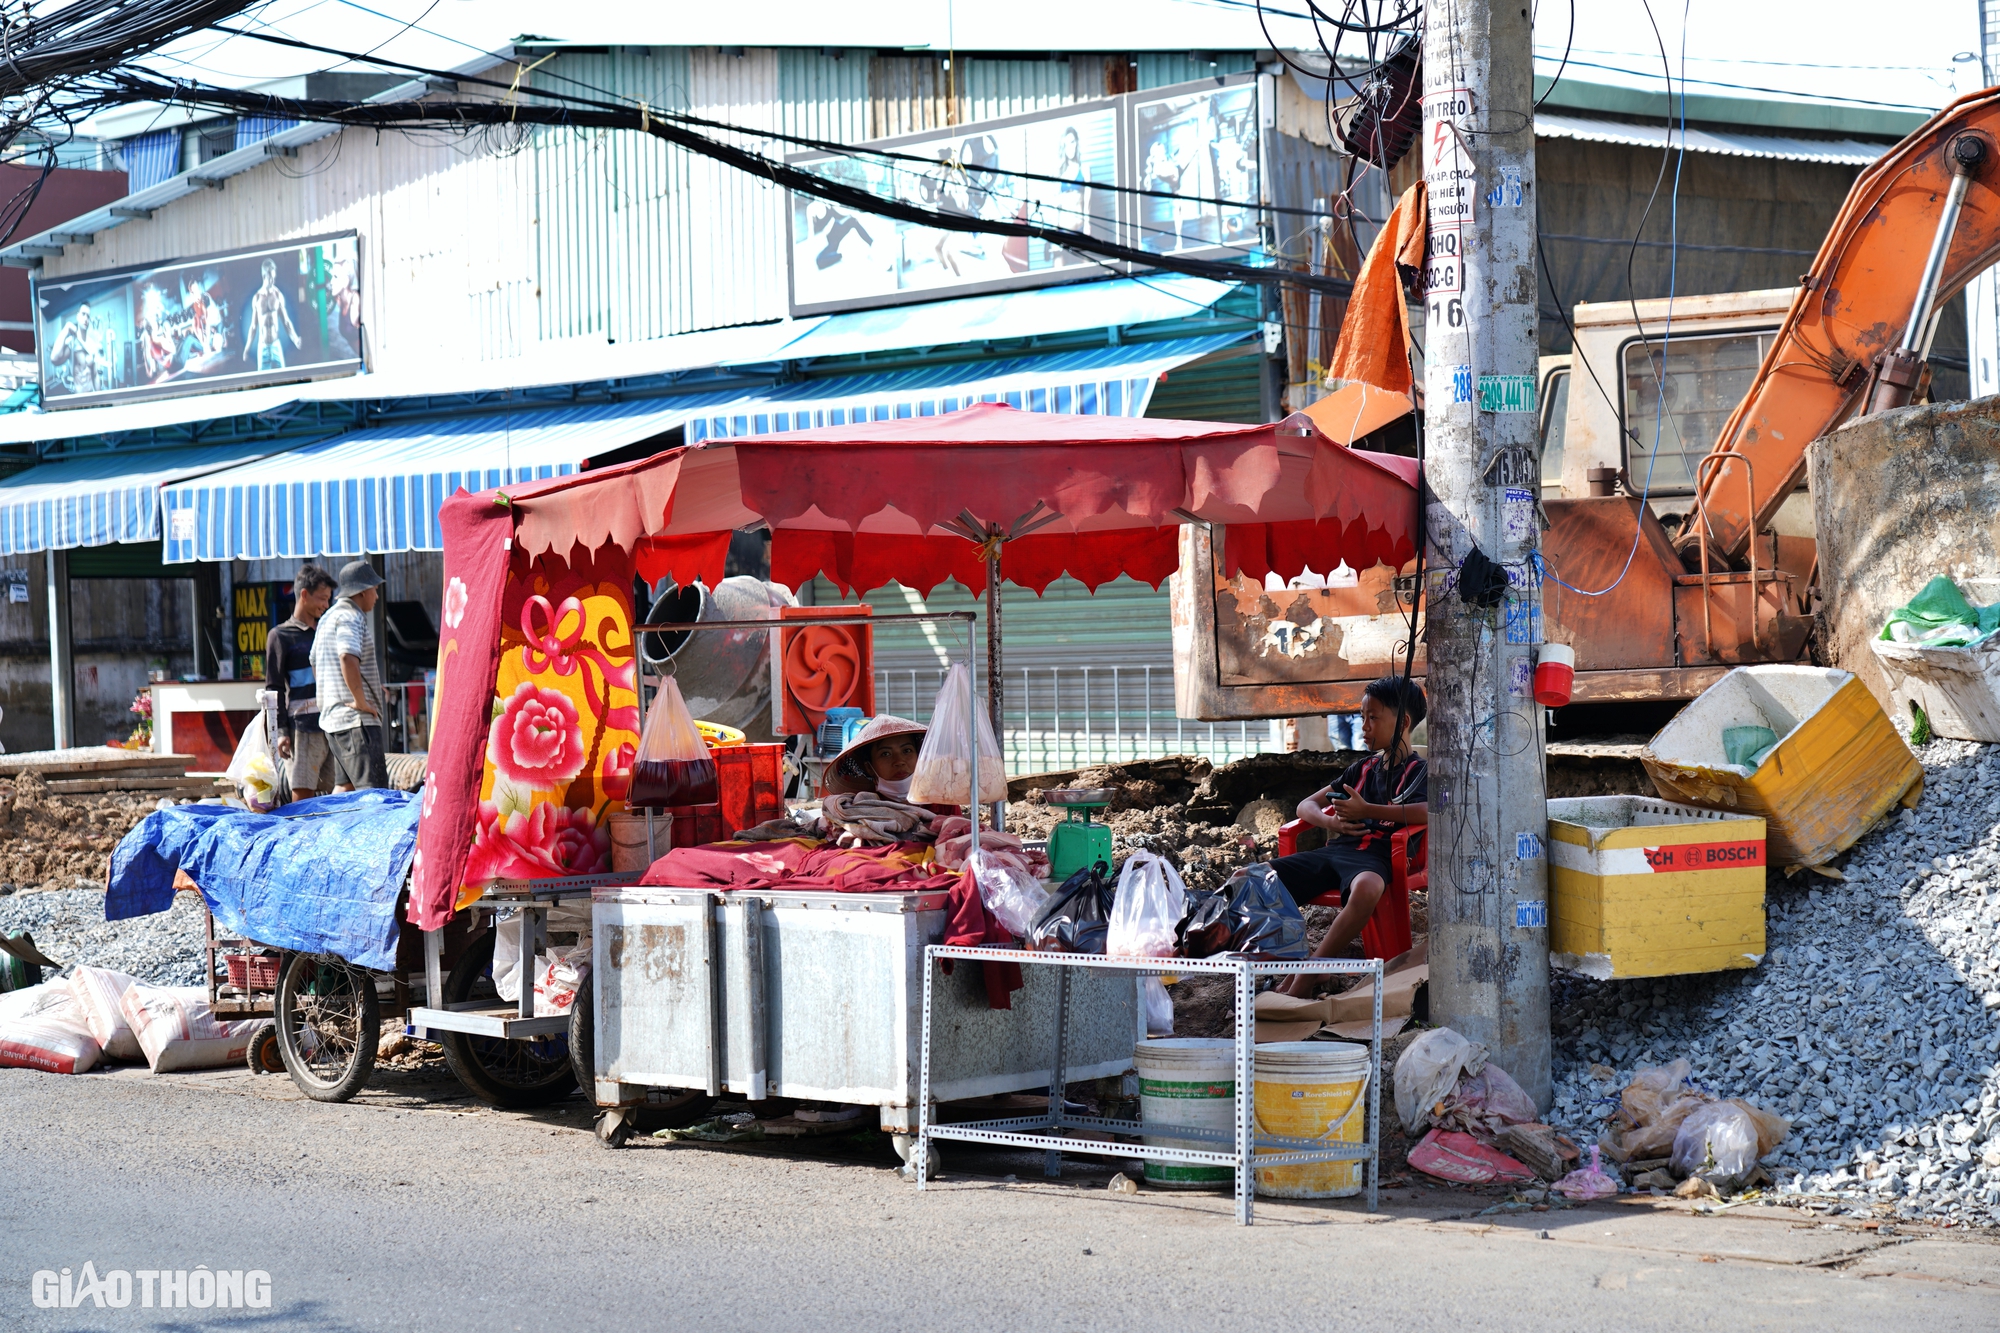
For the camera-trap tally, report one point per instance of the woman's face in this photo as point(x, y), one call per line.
point(893, 759)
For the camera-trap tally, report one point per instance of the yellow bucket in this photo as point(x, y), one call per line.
point(1312, 1090)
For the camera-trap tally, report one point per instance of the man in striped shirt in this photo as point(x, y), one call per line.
point(351, 698)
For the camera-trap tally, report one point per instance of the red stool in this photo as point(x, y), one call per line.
point(1387, 932)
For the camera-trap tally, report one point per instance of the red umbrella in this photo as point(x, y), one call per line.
point(980, 495)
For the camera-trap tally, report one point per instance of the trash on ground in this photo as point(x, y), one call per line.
point(1587, 1182)
point(1464, 1160)
point(1427, 1071)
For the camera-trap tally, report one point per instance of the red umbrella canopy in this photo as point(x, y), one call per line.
point(924, 499)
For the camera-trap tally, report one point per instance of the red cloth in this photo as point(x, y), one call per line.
point(1003, 462)
point(968, 922)
point(858, 562)
point(693, 557)
point(1374, 343)
point(477, 534)
point(797, 864)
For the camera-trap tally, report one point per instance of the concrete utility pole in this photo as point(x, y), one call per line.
point(1488, 798)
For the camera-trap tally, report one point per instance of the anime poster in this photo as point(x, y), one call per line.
point(1033, 168)
point(1199, 146)
point(285, 312)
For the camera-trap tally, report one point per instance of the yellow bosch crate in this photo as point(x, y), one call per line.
point(1640, 887)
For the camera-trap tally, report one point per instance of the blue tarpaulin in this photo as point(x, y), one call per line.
point(318, 876)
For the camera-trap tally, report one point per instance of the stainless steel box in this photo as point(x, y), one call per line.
point(820, 996)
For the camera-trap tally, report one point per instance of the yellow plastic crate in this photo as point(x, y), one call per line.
point(1644, 888)
point(1838, 768)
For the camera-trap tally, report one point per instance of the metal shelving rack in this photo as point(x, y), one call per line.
point(1044, 1131)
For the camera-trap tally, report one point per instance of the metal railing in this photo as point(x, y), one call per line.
point(1072, 717)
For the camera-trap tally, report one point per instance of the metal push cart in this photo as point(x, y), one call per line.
point(815, 995)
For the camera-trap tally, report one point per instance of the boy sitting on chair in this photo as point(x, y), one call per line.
point(1361, 813)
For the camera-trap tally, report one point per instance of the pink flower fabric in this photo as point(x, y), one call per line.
point(536, 742)
point(455, 599)
point(546, 842)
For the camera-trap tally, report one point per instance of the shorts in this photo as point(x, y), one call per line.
point(357, 757)
point(311, 766)
point(1330, 869)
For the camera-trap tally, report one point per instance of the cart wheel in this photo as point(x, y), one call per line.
point(614, 1126)
point(583, 1042)
point(906, 1144)
point(497, 1071)
point(328, 1021)
point(264, 1057)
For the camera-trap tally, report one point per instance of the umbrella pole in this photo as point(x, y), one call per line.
point(995, 689)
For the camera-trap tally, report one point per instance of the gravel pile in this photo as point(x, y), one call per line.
point(69, 926)
point(1873, 1023)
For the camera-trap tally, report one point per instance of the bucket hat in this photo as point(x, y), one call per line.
point(357, 576)
point(846, 774)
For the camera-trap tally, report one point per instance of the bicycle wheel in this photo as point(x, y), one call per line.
point(519, 1073)
point(328, 1021)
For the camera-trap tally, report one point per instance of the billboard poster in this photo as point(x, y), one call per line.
point(844, 258)
point(1199, 140)
point(265, 316)
point(1201, 144)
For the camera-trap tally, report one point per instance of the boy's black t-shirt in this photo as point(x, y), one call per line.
point(1379, 783)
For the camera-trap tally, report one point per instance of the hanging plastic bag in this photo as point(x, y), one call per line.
point(944, 773)
point(673, 767)
point(1159, 1007)
point(251, 768)
point(1718, 1141)
point(1077, 915)
point(1151, 900)
point(1013, 896)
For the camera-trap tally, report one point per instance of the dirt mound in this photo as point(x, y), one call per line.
point(59, 842)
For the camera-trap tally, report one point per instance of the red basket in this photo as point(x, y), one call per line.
point(252, 971)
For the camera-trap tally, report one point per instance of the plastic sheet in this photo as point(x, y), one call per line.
point(1428, 1071)
point(318, 876)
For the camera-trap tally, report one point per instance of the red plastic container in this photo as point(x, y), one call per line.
point(696, 825)
point(749, 784)
point(247, 971)
point(1555, 674)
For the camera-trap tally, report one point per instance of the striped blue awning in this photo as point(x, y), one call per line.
point(1102, 381)
point(103, 498)
point(380, 489)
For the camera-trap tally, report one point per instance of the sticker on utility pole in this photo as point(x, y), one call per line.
point(1521, 678)
point(1517, 515)
point(1507, 192)
point(1527, 846)
point(1450, 182)
point(1506, 393)
point(1461, 384)
point(1524, 621)
point(1531, 916)
point(1444, 261)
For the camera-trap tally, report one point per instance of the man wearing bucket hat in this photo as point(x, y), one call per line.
point(882, 759)
point(351, 699)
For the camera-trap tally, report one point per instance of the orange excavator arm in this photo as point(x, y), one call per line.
point(1918, 225)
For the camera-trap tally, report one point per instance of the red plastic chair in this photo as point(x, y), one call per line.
point(1387, 932)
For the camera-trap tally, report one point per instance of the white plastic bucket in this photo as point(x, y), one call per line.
point(1312, 1090)
point(1188, 1081)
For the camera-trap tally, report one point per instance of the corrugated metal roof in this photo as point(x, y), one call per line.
point(1730, 143)
point(102, 498)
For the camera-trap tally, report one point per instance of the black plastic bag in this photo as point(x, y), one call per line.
point(1251, 913)
point(1077, 915)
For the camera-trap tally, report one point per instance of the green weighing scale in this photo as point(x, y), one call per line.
point(1078, 841)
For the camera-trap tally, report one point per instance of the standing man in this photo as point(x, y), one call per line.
point(267, 311)
point(349, 682)
point(288, 674)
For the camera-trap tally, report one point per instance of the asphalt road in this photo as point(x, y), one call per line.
point(415, 1208)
